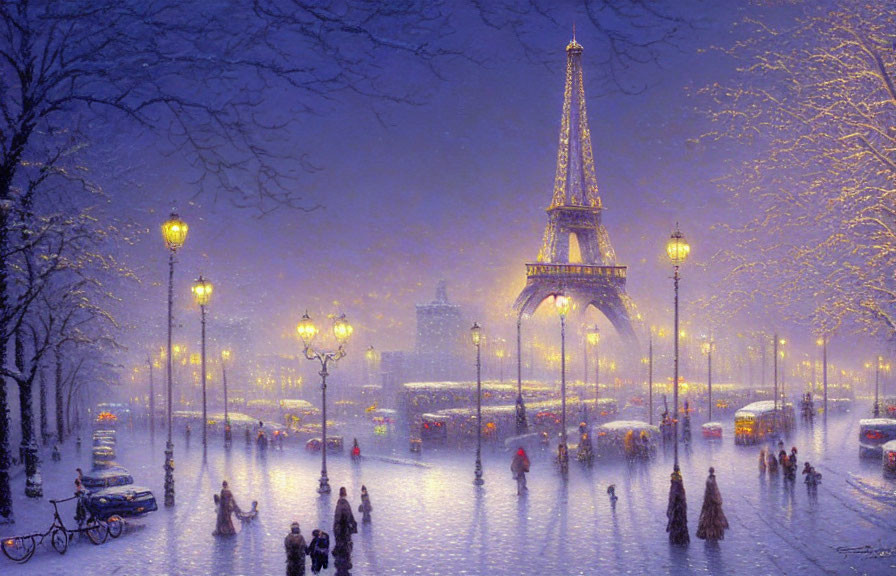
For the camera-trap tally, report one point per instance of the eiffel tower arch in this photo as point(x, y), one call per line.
point(576, 257)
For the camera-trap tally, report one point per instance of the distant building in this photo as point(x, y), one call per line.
point(439, 346)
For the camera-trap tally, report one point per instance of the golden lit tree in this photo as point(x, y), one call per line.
point(813, 113)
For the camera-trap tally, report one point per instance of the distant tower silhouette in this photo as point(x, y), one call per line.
point(576, 257)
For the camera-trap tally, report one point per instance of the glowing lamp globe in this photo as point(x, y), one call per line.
point(306, 329)
point(677, 248)
point(342, 329)
point(174, 231)
point(225, 355)
point(202, 291)
point(476, 334)
point(561, 302)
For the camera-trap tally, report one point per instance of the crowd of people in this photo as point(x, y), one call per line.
point(344, 525)
point(769, 463)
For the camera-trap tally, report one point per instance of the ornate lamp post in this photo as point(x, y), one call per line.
point(561, 302)
point(202, 292)
point(707, 349)
point(476, 336)
point(678, 249)
point(228, 433)
point(174, 231)
point(342, 330)
point(877, 387)
point(592, 336)
point(781, 343)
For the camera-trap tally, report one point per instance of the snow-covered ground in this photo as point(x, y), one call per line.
point(430, 519)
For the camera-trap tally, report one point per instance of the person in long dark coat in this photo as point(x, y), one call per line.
point(677, 512)
point(519, 466)
point(713, 523)
point(295, 551)
point(344, 526)
point(226, 507)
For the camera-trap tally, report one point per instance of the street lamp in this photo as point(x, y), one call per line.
point(823, 342)
point(707, 349)
point(174, 231)
point(592, 337)
point(522, 425)
point(202, 292)
point(342, 330)
point(782, 342)
point(877, 388)
point(228, 433)
point(561, 303)
point(370, 355)
point(677, 249)
point(476, 336)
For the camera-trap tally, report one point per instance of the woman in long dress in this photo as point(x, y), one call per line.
point(713, 523)
point(226, 507)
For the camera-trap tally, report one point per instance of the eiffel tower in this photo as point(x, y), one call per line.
point(576, 257)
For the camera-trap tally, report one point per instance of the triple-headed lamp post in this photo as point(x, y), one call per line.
point(342, 330)
point(677, 249)
point(476, 336)
point(561, 303)
point(202, 292)
point(174, 231)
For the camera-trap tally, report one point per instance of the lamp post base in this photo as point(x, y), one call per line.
point(324, 487)
point(169, 474)
point(477, 478)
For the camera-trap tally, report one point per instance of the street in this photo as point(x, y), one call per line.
point(428, 518)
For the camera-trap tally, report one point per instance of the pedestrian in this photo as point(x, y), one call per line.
point(793, 456)
point(295, 551)
point(677, 511)
point(365, 508)
point(611, 491)
point(762, 461)
point(772, 464)
point(563, 457)
point(344, 526)
point(57, 455)
point(712, 523)
point(226, 507)
point(356, 450)
point(188, 432)
point(80, 507)
point(319, 550)
point(519, 466)
point(585, 453)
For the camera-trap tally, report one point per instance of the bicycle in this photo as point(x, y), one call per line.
point(21, 548)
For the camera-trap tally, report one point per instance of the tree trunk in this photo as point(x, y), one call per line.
point(60, 406)
point(5, 491)
point(44, 432)
point(33, 481)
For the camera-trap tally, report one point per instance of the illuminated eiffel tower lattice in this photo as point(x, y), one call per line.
point(576, 258)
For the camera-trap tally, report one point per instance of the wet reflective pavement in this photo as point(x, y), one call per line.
point(430, 519)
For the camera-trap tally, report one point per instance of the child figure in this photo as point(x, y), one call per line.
point(319, 550)
point(365, 508)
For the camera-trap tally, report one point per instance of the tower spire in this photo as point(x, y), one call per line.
point(575, 182)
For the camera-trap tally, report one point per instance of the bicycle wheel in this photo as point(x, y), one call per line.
point(115, 524)
point(96, 531)
point(19, 549)
point(59, 539)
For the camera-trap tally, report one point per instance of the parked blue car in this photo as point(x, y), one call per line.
point(98, 479)
point(125, 501)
